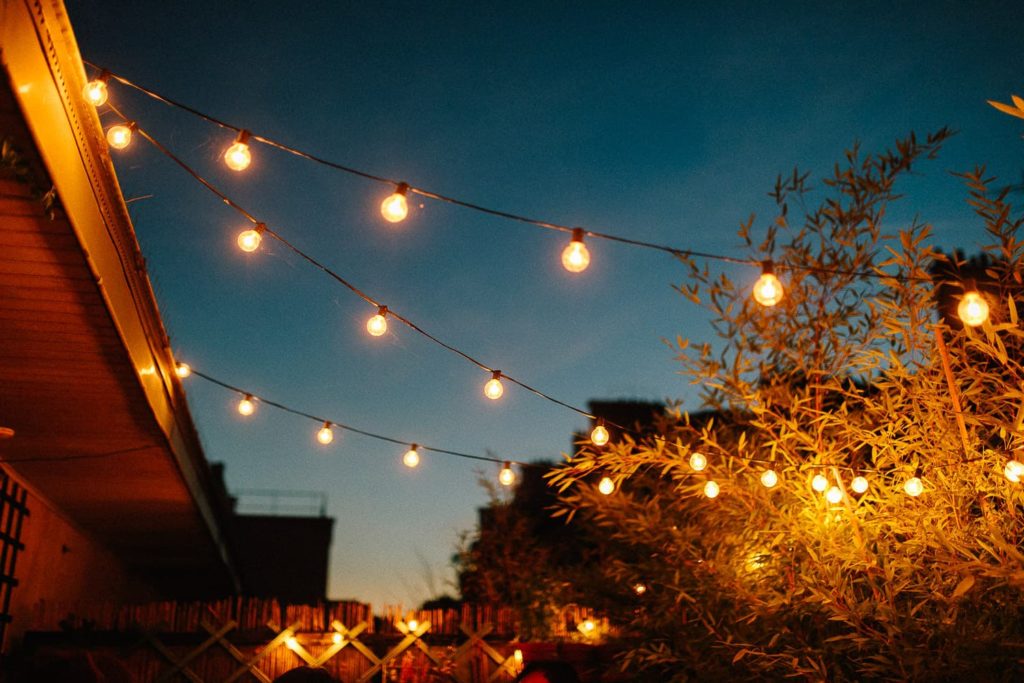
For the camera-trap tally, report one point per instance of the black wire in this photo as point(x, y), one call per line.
point(547, 225)
point(355, 430)
point(338, 278)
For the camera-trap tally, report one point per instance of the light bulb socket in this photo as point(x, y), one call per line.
point(767, 267)
point(402, 188)
point(577, 235)
point(382, 311)
point(496, 374)
point(248, 397)
point(104, 76)
point(969, 285)
point(414, 447)
point(327, 425)
point(243, 137)
point(507, 465)
point(260, 228)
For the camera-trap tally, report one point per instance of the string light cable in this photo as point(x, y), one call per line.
point(336, 424)
point(260, 229)
point(402, 187)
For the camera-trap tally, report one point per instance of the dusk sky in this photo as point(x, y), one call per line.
point(666, 122)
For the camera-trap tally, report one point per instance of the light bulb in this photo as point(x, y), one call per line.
point(913, 487)
point(599, 436)
point(237, 156)
point(973, 309)
point(507, 476)
point(834, 495)
point(768, 289)
point(411, 457)
point(859, 484)
point(119, 136)
point(606, 486)
point(182, 370)
point(249, 240)
point(396, 207)
point(819, 483)
point(639, 588)
point(95, 92)
point(412, 624)
point(769, 478)
point(711, 489)
point(326, 434)
point(494, 389)
point(576, 257)
point(1014, 471)
point(698, 461)
point(247, 406)
point(291, 643)
point(378, 324)
point(336, 638)
point(588, 626)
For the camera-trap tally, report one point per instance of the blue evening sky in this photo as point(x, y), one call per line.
point(665, 122)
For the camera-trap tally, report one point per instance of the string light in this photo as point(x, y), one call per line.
point(396, 206)
point(606, 486)
point(819, 483)
point(507, 476)
point(378, 324)
point(249, 240)
point(182, 370)
point(95, 91)
point(247, 406)
point(768, 290)
point(599, 436)
point(973, 309)
point(237, 156)
point(576, 256)
point(834, 495)
point(336, 638)
point(639, 588)
point(711, 489)
point(1014, 471)
point(119, 135)
point(913, 487)
point(494, 389)
point(413, 624)
point(769, 478)
point(412, 457)
point(326, 434)
point(698, 461)
point(859, 484)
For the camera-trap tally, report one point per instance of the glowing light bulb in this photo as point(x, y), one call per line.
point(411, 457)
point(378, 324)
point(182, 370)
point(819, 483)
point(237, 156)
point(95, 92)
point(249, 240)
point(291, 643)
point(576, 257)
point(588, 626)
point(973, 309)
point(119, 136)
point(768, 290)
point(494, 389)
point(599, 436)
point(834, 495)
point(336, 638)
point(698, 461)
point(247, 406)
point(507, 476)
point(412, 624)
point(769, 478)
point(639, 588)
point(518, 656)
point(913, 487)
point(1014, 471)
point(396, 207)
point(859, 484)
point(326, 434)
point(606, 486)
point(711, 489)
